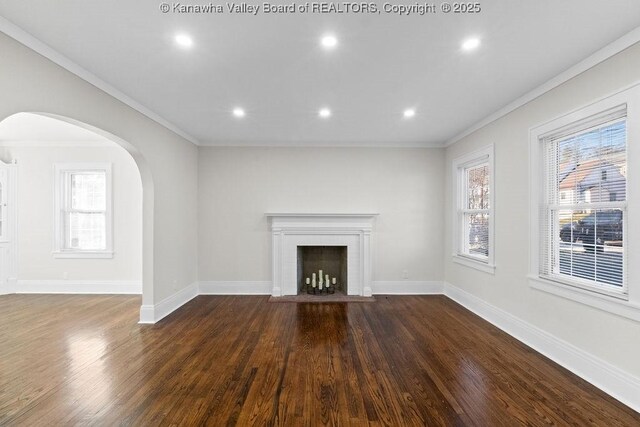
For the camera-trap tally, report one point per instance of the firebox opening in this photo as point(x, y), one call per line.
point(332, 260)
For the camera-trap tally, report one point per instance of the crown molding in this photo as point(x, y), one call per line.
point(591, 61)
point(319, 144)
point(23, 37)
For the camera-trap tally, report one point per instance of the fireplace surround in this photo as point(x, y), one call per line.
point(291, 230)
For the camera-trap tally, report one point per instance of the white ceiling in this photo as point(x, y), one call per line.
point(273, 65)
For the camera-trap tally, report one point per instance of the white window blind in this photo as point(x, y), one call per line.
point(583, 214)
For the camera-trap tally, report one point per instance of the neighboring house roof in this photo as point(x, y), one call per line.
point(590, 174)
point(573, 174)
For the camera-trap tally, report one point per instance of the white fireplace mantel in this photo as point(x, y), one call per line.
point(290, 230)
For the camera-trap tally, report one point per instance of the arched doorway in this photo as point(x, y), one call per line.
point(147, 196)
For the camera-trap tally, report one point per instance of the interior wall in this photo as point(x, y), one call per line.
point(237, 186)
point(36, 213)
point(605, 335)
point(168, 163)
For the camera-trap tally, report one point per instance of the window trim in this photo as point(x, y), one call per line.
point(626, 305)
point(460, 165)
point(60, 172)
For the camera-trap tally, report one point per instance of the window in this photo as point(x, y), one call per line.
point(473, 175)
point(581, 247)
point(83, 211)
point(582, 236)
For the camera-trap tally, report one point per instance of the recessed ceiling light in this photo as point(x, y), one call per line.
point(324, 113)
point(184, 40)
point(471, 43)
point(238, 112)
point(408, 113)
point(329, 42)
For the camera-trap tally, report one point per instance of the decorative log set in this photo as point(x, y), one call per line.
point(325, 285)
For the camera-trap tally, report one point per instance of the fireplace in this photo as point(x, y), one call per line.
point(289, 231)
point(326, 261)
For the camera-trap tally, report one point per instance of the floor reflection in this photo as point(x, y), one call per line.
point(322, 323)
point(90, 388)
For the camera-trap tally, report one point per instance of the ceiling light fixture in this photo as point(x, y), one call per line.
point(238, 112)
point(329, 42)
point(184, 40)
point(408, 113)
point(471, 44)
point(325, 113)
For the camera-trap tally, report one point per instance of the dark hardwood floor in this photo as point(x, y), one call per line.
point(410, 360)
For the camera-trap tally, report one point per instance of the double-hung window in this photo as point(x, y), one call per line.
point(83, 211)
point(473, 175)
point(584, 202)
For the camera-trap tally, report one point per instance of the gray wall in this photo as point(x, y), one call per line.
point(605, 335)
point(167, 162)
point(36, 212)
point(237, 186)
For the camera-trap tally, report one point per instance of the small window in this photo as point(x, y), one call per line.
point(474, 205)
point(83, 211)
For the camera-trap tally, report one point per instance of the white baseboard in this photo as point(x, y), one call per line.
point(156, 312)
point(406, 287)
point(235, 288)
point(78, 287)
point(610, 379)
point(9, 286)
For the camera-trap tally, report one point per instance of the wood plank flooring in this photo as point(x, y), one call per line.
point(225, 360)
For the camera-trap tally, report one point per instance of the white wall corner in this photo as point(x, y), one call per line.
point(147, 315)
point(153, 313)
point(610, 379)
point(127, 287)
point(235, 288)
point(406, 287)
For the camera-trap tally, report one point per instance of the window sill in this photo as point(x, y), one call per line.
point(603, 302)
point(477, 264)
point(82, 255)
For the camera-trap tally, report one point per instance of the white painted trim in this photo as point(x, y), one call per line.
point(321, 144)
point(293, 229)
point(150, 314)
point(82, 254)
point(472, 263)
point(235, 287)
point(48, 52)
point(406, 287)
point(610, 379)
point(602, 55)
point(78, 287)
point(11, 224)
point(330, 216)
point(401, 287)
point(606, 303)
point(468, 160)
